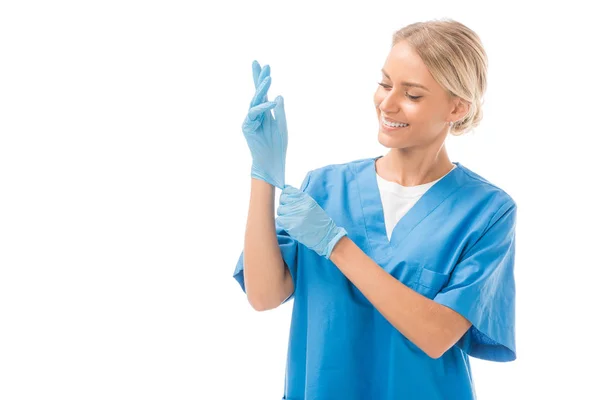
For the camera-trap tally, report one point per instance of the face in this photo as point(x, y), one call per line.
point(408, 93)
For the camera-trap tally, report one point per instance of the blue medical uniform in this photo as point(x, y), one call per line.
point(456, 245)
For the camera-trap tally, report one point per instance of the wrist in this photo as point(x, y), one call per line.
point(339, 249)
point(263, 176)
point(339, 235)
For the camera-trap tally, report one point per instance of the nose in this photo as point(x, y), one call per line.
point(388, 105)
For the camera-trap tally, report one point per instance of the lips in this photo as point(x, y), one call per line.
point(393, 120)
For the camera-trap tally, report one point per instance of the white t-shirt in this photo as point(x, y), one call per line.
point(397, 199)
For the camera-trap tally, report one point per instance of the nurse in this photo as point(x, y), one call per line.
point(401, 266)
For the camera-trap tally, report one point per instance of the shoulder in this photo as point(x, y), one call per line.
point(335, 171)
point(334, 182)
point(492, 199)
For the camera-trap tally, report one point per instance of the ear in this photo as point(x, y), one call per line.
point(461, 108)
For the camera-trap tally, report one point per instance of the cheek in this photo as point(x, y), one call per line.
point(377, 98)
point(413, 110)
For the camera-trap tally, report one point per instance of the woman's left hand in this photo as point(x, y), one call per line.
point(305, 221)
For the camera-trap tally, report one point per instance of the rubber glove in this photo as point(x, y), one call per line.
point(305, 221)
point(267, 137)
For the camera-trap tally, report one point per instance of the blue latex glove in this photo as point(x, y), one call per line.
point(304, 220)
point(267, 137)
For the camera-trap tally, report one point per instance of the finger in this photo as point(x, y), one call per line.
point(289, 189)
point(255, 111)
point(289, 195)
point(279, 112)
point(282, 222)
point(286, 197)
point(261, 91)
point(250, 126)
point(266, 72)
point(285, 210)
point(281, 210)
point(256, 73)
point(283, 198)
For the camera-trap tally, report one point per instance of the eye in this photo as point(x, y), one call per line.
point(383, 85)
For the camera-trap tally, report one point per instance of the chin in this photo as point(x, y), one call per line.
point(391, 142)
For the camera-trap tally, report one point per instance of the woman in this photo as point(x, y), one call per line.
point(401, 266)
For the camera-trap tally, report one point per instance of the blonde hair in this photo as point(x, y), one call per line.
point(456, 59)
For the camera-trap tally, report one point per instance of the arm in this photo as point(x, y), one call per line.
point(268, 281)
point(432, 327)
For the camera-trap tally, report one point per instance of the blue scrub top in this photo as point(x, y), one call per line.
point(456, 245)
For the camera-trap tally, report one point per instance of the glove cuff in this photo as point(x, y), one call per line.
point(341, 232)
point(255, 173)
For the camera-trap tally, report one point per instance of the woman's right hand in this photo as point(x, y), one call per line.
point(267, 137)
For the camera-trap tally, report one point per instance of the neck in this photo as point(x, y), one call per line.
point(411, 167)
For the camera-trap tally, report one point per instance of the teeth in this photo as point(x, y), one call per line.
point(393, 124)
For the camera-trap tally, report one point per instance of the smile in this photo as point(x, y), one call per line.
point(393, 124)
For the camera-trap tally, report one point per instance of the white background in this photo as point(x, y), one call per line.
point(124, 184)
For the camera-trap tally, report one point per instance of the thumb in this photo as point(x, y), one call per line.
point(290, 189)
point(287, 194)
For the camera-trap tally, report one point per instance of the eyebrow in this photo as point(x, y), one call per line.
point(411, 84)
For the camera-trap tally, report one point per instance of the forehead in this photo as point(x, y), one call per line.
point(404, 63)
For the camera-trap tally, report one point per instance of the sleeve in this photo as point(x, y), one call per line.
point(287, 245)
point(482, 289)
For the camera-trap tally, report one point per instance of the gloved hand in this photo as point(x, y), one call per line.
point(304, 220)
point(267, 137)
